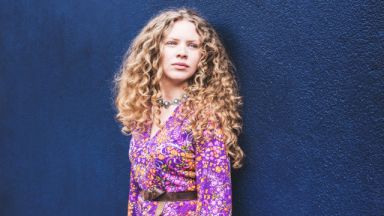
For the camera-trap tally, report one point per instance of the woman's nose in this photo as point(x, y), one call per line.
point(182, 52)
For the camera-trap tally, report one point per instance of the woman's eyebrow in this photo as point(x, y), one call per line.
point(172, 38)
point(195, 41)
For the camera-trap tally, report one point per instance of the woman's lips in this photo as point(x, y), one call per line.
point(180, 65)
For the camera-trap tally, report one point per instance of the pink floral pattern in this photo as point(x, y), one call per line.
point(174, 161)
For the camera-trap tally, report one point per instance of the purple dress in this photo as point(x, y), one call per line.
point(174, 161)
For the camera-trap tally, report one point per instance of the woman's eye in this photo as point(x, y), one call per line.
point(171, 43)
point(193, 45)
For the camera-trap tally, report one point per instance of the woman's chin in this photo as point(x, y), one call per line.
point(177, 80)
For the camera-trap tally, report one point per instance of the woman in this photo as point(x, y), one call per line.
point(178, 98)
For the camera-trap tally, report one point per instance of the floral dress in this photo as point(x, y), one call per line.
point(174, 161)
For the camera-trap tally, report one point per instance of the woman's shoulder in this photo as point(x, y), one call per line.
point(138, 130)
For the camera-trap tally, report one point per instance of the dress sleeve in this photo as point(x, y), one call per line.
point(213, 175)
point(133, 189)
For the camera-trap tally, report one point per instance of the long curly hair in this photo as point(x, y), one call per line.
point(213, 90)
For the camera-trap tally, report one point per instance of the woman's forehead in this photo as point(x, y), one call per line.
point(183, 29)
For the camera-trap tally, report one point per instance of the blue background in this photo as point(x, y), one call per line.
point(311, 74)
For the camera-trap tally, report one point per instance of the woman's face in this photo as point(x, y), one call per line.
point(181, 53)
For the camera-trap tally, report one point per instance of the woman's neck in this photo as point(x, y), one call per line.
point(171, 91)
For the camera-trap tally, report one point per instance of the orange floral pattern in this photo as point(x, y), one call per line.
point(174, 161)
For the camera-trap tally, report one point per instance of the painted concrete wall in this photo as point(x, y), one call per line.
point(311, 74)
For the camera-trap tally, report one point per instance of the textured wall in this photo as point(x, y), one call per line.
point(311, 74)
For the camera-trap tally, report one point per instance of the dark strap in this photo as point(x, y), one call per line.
point(179, 196)
point(160, 195)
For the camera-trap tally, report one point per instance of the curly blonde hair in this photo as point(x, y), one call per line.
point(213, 91)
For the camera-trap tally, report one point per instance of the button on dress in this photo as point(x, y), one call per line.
point(175, 162)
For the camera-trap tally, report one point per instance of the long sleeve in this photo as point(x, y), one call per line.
point(133, 185)
point(213, 175)
point(133, 194)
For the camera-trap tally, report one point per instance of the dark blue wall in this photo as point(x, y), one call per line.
point(311, 74)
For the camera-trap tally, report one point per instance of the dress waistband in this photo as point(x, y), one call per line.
point(160, 195)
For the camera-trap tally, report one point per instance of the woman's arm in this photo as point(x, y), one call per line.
point(213, 175)
point(133, 194)
point(133, 185)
